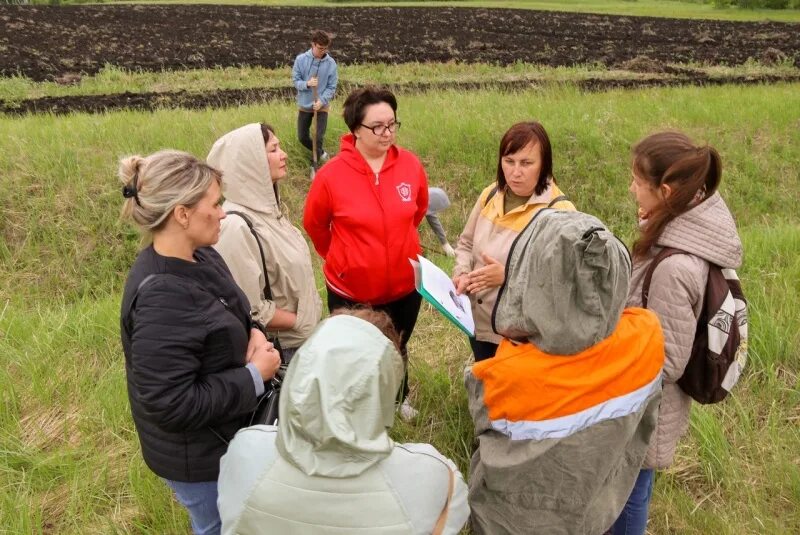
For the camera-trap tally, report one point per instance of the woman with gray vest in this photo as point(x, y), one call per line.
point(524, 185)
point(267, 255)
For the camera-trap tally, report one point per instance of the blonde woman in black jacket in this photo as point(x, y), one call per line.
point(194, 361)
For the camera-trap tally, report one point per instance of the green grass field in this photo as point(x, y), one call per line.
point(113, 80)
point(70, 461)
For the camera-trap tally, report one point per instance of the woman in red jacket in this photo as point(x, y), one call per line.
point(362, 214)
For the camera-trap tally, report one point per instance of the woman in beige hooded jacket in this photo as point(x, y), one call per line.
point(675, 185)
point(252, 163)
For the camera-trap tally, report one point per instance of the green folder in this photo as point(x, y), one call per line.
point(435, 286)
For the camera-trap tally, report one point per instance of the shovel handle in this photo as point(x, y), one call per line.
point(314, 131)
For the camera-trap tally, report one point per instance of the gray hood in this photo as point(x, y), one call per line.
point(437, 200)
point(338, 399)
point(242, 158)
point(708, 231)
point(567, 279)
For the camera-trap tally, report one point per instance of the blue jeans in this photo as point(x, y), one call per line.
point(633, 519)
point(200, 499)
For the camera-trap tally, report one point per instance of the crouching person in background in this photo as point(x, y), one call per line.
point(564, 411)
point(438, 201)
point(330, 467)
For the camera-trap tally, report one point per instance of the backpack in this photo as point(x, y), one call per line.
point(719, 350)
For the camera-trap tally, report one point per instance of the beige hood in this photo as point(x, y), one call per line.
point(338, 399)
point(248, 188)
point(241, 156)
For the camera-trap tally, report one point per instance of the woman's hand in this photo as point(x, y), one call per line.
point(489, 276)
point(263, 355)
point(460, 282)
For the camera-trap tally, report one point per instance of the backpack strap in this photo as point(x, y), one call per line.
point(648, 276)
point(557, 200)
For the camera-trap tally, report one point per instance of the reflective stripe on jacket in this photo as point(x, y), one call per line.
point(562, 438)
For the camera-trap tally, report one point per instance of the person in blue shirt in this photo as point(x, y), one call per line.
point(315, 77)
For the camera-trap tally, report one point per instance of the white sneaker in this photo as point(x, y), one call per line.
point(324, 157)
point(407, 412)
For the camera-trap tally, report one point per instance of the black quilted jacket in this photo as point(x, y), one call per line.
point(185, 339)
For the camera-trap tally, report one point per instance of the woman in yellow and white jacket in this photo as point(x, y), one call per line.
point(524, 185)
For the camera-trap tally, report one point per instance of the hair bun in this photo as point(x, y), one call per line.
point(129, 191)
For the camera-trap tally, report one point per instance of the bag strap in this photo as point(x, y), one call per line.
point(557, 200)
point(489, 197)
point(550, 205)
point(266, 290)
point(648, 276)
point(441, 522)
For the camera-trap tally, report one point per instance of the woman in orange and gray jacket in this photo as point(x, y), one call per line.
point(525, 185)
point(564, 411)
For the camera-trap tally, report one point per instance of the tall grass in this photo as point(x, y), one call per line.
point(70, 461)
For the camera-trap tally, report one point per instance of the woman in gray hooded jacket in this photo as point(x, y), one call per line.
point(252, 163)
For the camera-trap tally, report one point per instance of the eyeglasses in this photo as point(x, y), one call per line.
point(380, 129)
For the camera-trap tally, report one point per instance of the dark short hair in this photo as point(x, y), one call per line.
point(267, 132)
point(517, 138)
point(321, 38)
point(355, 106)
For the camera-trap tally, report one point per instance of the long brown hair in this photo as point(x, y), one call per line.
point(692, 173)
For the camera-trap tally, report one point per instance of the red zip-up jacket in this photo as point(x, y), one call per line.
point(365, 225)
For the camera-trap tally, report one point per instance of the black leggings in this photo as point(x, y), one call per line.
point(403, 313)
point(482, 350)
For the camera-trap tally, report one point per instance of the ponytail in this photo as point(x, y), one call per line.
point(692, 173)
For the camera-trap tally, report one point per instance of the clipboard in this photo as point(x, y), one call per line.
point(435, 286)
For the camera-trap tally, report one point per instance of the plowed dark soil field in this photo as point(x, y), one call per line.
point(46, 42)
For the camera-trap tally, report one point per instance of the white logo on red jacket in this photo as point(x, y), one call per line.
point(404, 189)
